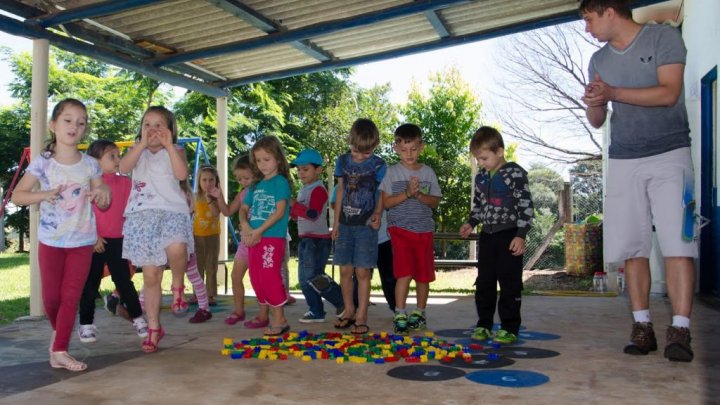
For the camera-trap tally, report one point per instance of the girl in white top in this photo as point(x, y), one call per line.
point(158, 228)
point(69, 181)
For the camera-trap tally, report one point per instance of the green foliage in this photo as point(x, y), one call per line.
point(448, 115)
point(115, 98)
point(545, 184)
point(586, 183)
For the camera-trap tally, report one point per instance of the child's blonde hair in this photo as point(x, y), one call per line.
point(270, 144)
point(207, 169)
point(487, 138)
point(364, 135)
point(57, 110)
point(169, 118)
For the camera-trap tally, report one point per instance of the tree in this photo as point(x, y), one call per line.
point(15, 130)
point(550, 64)
point(448, 115)
point(586, 184)
point(115, 98)
point(545, 184)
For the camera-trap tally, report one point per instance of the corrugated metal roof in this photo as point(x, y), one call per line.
point(223, 43)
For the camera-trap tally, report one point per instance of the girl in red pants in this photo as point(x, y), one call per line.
point(69, 183)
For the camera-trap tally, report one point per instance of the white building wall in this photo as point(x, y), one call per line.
point(701, 32)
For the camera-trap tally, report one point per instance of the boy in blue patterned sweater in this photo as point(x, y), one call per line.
point(503, 206)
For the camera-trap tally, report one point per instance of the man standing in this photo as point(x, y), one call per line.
point(650, 172)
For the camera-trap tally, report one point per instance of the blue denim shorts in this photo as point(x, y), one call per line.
point(356, 245)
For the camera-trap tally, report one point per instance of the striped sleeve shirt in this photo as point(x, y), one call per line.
point(411, 214)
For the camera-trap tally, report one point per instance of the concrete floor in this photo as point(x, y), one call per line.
point(591, 367)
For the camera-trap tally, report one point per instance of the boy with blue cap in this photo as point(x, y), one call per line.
point(310, 211)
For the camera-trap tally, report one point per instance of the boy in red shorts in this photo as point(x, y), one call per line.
point(410, 191)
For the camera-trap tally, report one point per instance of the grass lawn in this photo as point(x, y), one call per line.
point(15, 283)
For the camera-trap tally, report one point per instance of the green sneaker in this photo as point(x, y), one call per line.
point(481, 333)
point(400, 324)
point(416, 321)
point(504, 337)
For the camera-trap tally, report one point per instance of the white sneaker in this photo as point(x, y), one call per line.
point(87, 333)
point(309, 317)
point(141, 327)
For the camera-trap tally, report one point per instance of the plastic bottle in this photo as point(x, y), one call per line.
point(621, 280)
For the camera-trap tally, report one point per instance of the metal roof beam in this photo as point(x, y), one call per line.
point(15, 27)
point(259, 21)
point(419, 6)
point(431, 46)
point(91, 11)
point(437, 22)
point(312, 50)
point(247, 14)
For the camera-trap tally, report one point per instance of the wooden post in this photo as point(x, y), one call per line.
point(38, 132)
point(222, 168)
point(565, 210)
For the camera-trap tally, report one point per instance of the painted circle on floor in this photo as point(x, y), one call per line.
point(523, 352)
point(487, 343)
point(537, 335)
point(455, 333)
point(424, 372)
point(483, 361)
point(508, 378)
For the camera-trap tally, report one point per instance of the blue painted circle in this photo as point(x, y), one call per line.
point(508, 378)
point(537, 335)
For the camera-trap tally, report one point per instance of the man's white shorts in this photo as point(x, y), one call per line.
point(645, 192)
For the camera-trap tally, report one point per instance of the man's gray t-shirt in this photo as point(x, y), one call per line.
point(636, 131)
point(411, 214)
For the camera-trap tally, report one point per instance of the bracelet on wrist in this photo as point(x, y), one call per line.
point(407, 194)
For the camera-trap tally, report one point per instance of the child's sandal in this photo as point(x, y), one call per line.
point(234, 318)
point(66, 361)
point(148, 346)
point(179, 306)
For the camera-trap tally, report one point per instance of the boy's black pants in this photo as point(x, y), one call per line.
point(497, 265)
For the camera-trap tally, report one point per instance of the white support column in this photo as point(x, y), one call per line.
point(222, 167)
point(38, 132)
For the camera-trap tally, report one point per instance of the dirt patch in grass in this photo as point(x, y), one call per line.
point(555, 279)
point(533, 280)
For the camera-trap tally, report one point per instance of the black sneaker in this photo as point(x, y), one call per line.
point(416, 321)
point(642, 339)
point(400, 324)
point(677, 346)
point(111, 303)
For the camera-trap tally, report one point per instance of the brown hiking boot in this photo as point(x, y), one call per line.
point(642, 339)
point(677, 346)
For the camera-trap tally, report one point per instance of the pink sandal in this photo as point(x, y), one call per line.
point(148, 346)
point(256, 323)
point(179, 306)
point(234, 318)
